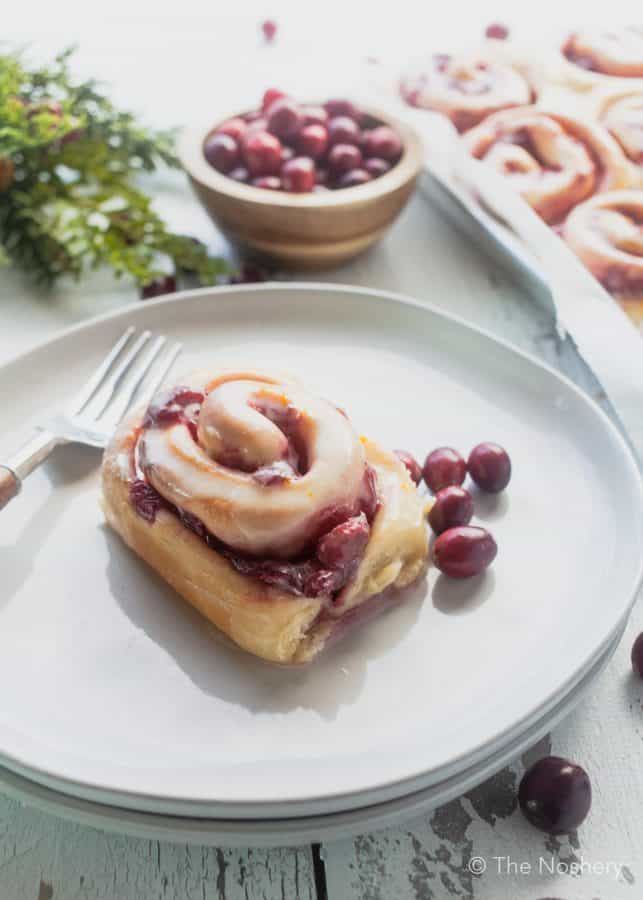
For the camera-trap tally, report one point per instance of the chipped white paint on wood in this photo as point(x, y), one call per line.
point(43, 858)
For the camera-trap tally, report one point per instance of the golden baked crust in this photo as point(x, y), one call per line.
point(264, 620)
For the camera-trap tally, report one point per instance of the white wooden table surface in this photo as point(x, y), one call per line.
point(45, 858)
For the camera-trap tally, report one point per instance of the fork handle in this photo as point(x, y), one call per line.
point(32, 453)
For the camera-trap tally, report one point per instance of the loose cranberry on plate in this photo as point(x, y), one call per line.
point(313, 141)
point(233, 127)
point(344, 157)
point(464, 551)
point(377, 167)
point(497, 31)
point(354, 178)
point(342, 130)
point(284, 118)
point(262, 152)
point(222, 152)
point(269, 29)
point(443, 467)
point(453, 506)
point(268, 182)
point(490, 467)
point(342, 108)
point(555, 795)
point(383, 143)
point(314, 115)
point(412, 465)
point(298, 175)
point(637, 655)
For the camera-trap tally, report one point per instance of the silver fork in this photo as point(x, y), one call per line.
point(130, 374)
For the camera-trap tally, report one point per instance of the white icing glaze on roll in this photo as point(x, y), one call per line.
point(215, 478)
point(616, 52)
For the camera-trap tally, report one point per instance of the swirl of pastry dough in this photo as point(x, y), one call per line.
point(554, 161)
point(261, 463)
point(620, 110)
point(466, 88)
point(615, 52)
point(606, 233)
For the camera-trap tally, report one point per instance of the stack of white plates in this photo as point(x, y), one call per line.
point(124, 710)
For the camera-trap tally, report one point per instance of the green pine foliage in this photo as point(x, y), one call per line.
point(69, 166)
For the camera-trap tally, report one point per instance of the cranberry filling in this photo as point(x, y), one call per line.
point(170, 408)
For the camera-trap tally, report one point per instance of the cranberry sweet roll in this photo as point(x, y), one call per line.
point(591, 57)
point(620, 110)
point(606, 233)
point(262, 507)
point(554, 161)
point(466, 87)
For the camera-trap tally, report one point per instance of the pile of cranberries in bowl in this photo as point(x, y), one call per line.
point(460, 550)
point(299, 148)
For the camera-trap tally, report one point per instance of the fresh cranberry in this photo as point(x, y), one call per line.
point(344, 544)
point(270, 96)
point(234, 128)
point(269, 30)
point(344, 157)
point(443, 467)
point(262, 153)
point(257, 125)
point(146, 500)
point(222, 152)
point(555, 795)
point(314, 115)
point(354, 178)
point(268, 182)
point(490, 467)
point(497, 30)
point(342, 108)
point(313, 141)
point(158, 287)
point(383, 143)
point(284, 118)
point(452, 507)
point(342, 130)
point(369, 500)
point(376, 167)
point(298, 175)
point(411, 463)
point(637, 655)
point(464, 551)
point(239, 173)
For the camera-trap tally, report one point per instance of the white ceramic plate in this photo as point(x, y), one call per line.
point(301, 830)
point(116, 691)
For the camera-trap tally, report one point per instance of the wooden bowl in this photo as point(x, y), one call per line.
point(304, 231)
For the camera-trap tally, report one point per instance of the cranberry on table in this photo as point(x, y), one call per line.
point(555, 795)
point(239, 173)
point(377, 167)
point(342, 108)
point(344, 157)
point(313, 140)
point(314, 115)
point(354, 178)
point(158, 287)
point(412, 465)
point(284, 118)
point(222, 152)
point(443, 467)
point(298, 175)
point(453, 506)
point(268, 182)
point(497, 30)
point(637, 655)
point(382, 142)
point(464, 551)
point(269, 29)
point(342, 130)
point(262, 153)
point(490, 467)
point(233, 127)
point(270, 96)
